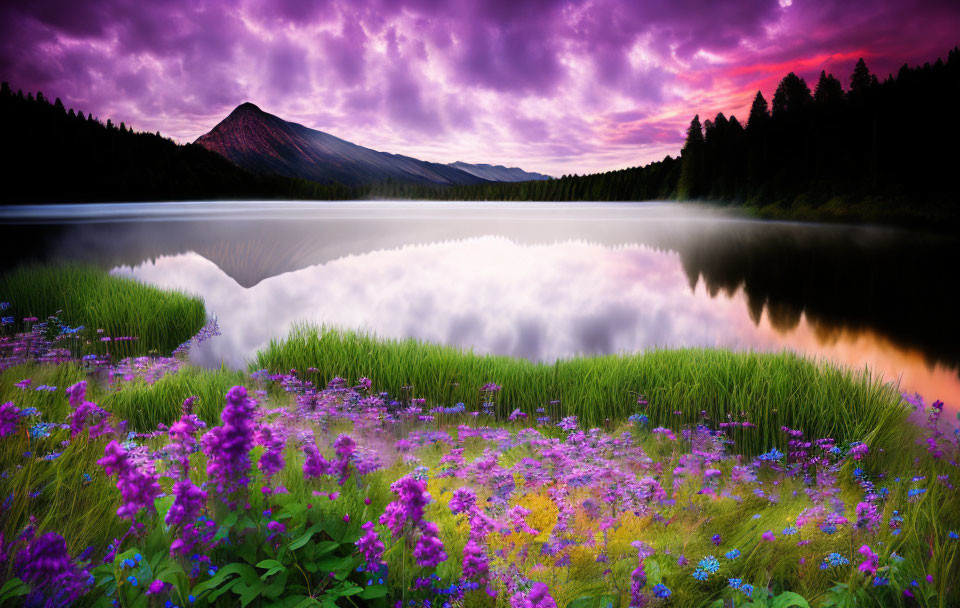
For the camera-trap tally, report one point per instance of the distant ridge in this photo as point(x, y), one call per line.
point(499, 173)
point(262, 142)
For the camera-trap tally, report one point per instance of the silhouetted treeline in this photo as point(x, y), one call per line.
point(657, 180)
point(874, 149)
point(60, 155)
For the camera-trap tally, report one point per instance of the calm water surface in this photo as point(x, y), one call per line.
point(534, 280)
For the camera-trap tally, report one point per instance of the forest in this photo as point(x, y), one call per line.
point(880, 150)
point(61, 155)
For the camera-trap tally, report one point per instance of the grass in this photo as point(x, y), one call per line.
point(769, 389)
point(160, 319)
point(82, 510)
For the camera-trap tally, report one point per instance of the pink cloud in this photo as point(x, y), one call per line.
point(554, 86)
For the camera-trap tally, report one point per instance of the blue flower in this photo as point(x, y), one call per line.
point(734, 583)
point(709, 564)
point(771, 456)
point(662, 591)
point(700, 575)
point(732, 554)
point(747, 590)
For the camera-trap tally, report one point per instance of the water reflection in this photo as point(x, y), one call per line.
point(553, 280)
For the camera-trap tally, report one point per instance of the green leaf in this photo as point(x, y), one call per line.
point(789, 599)
point(230, 569)
point(222, 589)
point(296, 544)
point(373, 592)
point(13, 588)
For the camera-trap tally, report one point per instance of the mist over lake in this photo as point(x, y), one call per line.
point(534, 280)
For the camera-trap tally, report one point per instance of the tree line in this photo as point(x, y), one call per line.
point(876, 149)
point(60, 155)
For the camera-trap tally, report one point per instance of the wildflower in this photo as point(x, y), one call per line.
point(734, 583)
point(732, 554)
point(136, 481)
point(638, 580)
point(715, 539)
point(463, 500)
point(858, 450)
point(768, 536)
point(429, 551)
point(747, 590)
point(314, 465)
point(662, 591)
point(709, 564)
point(700, 575)
point(870, 563)
point(834, 560)
point(868, 518)
point(9, 417)
point(475, 563)
point(227, 447)
point(45, 565)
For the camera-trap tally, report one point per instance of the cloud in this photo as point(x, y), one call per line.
point(549, 85)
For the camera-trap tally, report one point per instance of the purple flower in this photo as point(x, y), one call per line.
point(462, 500)
point(272, 438)
point(136, 480)
point(429, 551)
point(768, 536)
point(9, 418)
point(45, 565)
point(370, 547)
point(314, 465)
point(412, 497)
point(475, 563)
point(188, 503)
point(227, 447)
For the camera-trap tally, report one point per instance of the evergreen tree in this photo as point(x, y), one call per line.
point(759, 112)
point(828, 89)
point(691, 171)
point(792, 95)
point(861, 80)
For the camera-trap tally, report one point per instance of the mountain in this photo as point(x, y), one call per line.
point(262, 142)
point(499, 173)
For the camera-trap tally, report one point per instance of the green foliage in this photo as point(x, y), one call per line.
point(79, 295)
point(772, 390)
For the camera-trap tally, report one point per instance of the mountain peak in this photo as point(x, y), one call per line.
point(246, 108)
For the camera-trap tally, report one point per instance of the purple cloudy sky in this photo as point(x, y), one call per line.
point(558, 87)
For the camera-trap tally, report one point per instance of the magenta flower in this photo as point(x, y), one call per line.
point(9, 418)
point(462, 500)
point(429, 551)
point(476, 566)
point(227, 447)
point(315, 465)
point(370, 547)
point(272, 438)
point(768, 536)
point(868, 565)
point(136, 480)
point(47, 567)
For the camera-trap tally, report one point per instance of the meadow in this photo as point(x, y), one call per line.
point(347, 470)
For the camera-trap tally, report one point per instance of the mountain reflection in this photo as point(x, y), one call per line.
point(664, 275)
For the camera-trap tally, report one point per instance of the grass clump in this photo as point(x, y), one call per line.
point(85, 296)
point(769, 390)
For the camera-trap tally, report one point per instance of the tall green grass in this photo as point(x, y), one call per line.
point(160, 319)
point(769, 389)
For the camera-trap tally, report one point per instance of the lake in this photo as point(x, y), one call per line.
point(534, 280)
